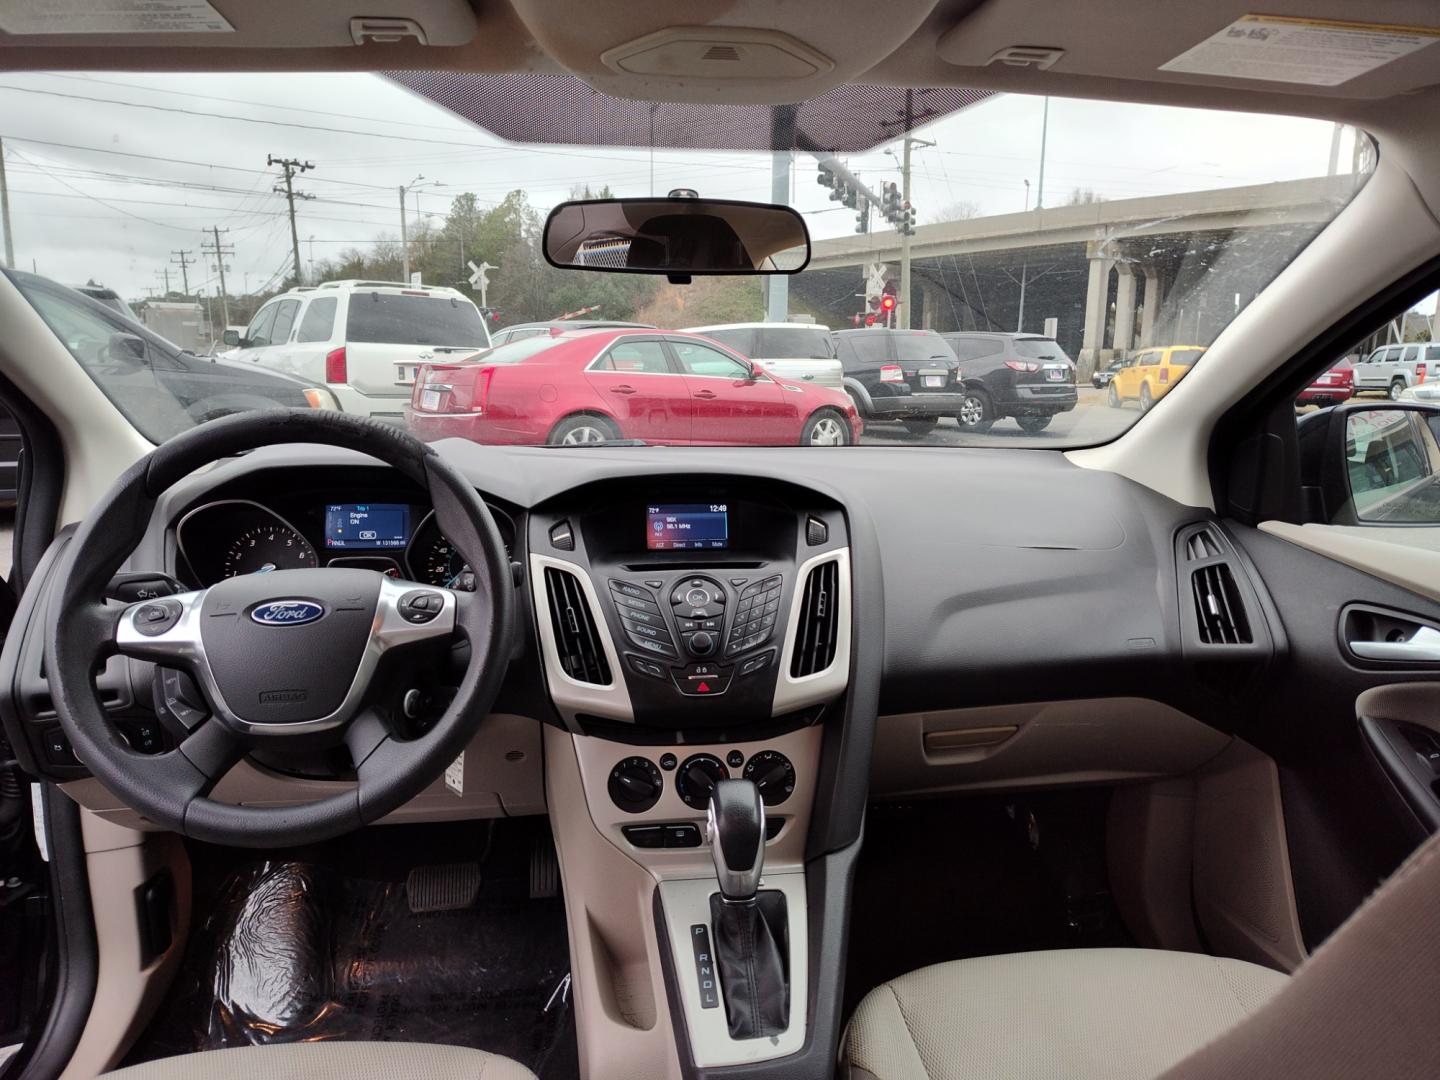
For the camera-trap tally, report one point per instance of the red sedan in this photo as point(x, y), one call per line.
point(587, 386)
point(1331, 388)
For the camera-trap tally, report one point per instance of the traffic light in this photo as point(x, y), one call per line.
point(825, 178)
point(907, 220)
point(862, 215)
point(891, 204)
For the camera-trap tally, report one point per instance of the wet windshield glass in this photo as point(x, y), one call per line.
point(349, 242)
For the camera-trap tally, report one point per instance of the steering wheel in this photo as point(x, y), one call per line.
point(292, 660)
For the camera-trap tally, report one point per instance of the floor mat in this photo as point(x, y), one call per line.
point(952, 878)
point(321, 943)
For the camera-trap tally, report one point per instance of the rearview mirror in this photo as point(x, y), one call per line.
point(231, 337)
point(1372, 464)
point(677, 237)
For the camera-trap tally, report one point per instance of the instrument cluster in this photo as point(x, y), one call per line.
point(230, 537)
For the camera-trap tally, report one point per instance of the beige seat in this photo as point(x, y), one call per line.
point(1121, 1014)
point(333, 1061)
point(1363, 1006)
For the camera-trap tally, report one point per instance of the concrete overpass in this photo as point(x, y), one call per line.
point(1116, 275)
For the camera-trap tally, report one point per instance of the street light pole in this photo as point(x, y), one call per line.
point(1044, 135)
point(404, 239)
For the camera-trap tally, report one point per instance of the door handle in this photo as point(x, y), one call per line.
point(706, 394)
point(1423, 647)
point(622, 389)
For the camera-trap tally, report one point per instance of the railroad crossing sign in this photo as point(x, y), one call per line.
point(874, 280)
point(479, 279)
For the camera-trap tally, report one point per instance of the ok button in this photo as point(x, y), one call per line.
point(697, 597)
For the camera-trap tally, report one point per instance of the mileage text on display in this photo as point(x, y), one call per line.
point(367, 525)
point(684, 526)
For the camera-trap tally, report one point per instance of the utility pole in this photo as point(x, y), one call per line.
point(910, 143)
point(291, 167)
point(220, 251)
point(404, 240)
point(5, 211)
point(183, 258)
point(165, 273)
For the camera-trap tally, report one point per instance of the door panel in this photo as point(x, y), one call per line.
point(728, 405)
point(637, 385)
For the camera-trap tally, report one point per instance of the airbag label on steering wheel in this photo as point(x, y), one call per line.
point(455, 775)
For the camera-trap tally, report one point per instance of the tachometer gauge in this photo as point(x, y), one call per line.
point(265, 547)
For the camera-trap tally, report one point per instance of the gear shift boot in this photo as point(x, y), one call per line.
point(752, 954)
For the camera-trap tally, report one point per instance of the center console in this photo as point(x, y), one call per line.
point(692, 635)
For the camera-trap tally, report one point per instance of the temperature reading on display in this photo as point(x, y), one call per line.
point(687, 527)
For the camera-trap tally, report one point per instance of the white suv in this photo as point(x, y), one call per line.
point(350, 335)
point(1396, 368)
point(800, 352)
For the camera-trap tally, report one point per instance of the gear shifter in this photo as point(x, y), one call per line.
point(735, 824)
point(752, 948)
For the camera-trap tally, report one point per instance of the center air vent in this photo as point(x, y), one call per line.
point(1219, 611)
point(576, 638)
point(818, 629)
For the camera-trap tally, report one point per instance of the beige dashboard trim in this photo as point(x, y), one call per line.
point(1407, 565)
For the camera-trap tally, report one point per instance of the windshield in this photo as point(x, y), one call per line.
point(292, 224)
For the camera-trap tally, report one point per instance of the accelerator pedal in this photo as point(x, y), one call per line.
point(444, 887)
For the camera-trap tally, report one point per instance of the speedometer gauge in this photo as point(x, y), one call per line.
point(265, 547)
point(441, 564)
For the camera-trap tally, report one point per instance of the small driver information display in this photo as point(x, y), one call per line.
point(366, 525)
point(684, 526)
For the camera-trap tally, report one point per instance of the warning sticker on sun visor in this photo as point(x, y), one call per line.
point(112, 17)
point(1311, 52)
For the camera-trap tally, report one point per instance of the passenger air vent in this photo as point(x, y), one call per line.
point(816, 633)
point(724, 53)
point(577, 639)
point(1219, 611)
point(1202, 545)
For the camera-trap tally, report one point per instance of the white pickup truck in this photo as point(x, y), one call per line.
point(1395, 368)
point(800, 352)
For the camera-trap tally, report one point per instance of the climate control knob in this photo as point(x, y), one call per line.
point(635, 785)
point(697, 777)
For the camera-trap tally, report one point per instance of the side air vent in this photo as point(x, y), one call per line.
point(1201, 545)
point(576, 638)
point(1219, 611)
point(816, 633)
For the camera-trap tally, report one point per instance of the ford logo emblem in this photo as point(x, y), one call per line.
point(287, 613)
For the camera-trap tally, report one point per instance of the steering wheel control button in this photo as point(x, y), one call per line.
point(154, 619)
point(420, 607)
point(697, 778)
point(773, 776)
point(562, 537)
point(646, 667)
point(635, 785)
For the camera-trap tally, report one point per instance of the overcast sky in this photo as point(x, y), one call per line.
point(109, 191)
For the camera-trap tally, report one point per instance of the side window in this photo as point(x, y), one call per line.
point(739, 340)
point(697, 359)
point(284, 320)
point(1412, 352)
point(870, 348)
point(636, 358)
point(318, 321)
point(1392, 353)
point(1432, 353)
point(258, 332)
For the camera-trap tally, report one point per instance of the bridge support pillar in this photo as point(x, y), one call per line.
point(1097, 298)
point(1149, 306)
point(1124, 308)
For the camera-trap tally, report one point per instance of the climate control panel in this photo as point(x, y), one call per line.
point(636, 784)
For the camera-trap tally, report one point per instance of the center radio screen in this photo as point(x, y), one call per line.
point(687, 527)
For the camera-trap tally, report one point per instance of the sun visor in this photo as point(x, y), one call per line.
point(531, 108)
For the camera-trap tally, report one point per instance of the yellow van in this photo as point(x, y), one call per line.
point(1148, 375)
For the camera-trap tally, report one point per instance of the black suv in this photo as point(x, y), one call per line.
point(905, 375)
point(1026, 376)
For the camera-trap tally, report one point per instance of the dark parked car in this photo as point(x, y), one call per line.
point(1025, 376)
point(1102, 376)
point(905, 375)
point(162, 389)
point(109, 297)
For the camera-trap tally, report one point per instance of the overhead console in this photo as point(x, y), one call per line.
point(675, 606)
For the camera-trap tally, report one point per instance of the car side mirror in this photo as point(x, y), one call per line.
point(1369, 464)
point(126, 349)
point(231, 337)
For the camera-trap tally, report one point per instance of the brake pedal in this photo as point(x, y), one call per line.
point(446, 887)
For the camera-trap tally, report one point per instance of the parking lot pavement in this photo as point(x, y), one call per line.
point(1091, 421)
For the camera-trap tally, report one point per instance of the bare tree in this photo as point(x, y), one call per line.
point(1082, 197)
point(964, 210)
